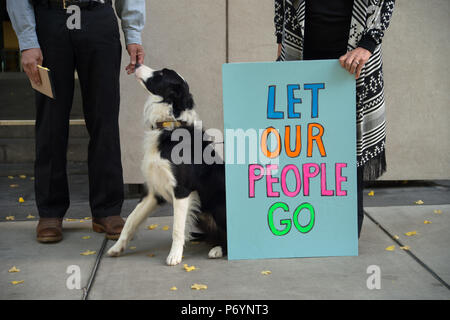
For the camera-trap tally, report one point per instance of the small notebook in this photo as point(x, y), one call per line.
point(46, 86)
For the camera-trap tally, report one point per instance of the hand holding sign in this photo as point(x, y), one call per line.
point(354, 60)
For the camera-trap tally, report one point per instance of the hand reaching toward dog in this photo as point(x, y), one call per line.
point(137, 55)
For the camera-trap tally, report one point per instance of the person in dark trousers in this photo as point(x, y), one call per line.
point(351, 31)
point(83, 36)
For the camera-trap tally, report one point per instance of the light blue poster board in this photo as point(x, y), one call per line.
point(296, 196)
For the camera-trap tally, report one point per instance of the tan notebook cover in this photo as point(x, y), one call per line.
point(46, 86)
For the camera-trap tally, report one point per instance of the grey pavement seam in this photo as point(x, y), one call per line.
point(87, 288)
point(409, 252)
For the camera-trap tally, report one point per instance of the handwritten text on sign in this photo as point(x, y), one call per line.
point(306, 171)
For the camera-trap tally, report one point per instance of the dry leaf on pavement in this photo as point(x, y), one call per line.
point(189, 269)
point(198, 286)
point(87, 253)
point(13, 269)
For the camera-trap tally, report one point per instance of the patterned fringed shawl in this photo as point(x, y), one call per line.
point(369, 17)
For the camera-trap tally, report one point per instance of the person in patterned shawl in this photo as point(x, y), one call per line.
point(351, 31)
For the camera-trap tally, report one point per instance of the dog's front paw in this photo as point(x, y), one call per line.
point(175, 256)
point(215, 253)
point(116, 249)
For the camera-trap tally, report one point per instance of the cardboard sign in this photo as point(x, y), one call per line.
point(290, 159)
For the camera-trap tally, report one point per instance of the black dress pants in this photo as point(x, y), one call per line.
point(94, 51)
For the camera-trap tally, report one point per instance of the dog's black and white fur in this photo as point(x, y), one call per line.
point(196, 191)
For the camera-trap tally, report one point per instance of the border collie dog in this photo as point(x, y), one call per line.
point(195, 189)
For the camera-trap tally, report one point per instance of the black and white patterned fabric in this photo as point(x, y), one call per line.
point(369, 18)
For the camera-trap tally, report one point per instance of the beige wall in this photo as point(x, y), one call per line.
point(190, 37)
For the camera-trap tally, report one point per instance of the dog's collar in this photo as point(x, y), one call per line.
point(170, 124)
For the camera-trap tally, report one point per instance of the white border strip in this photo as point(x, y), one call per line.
point(72, 122)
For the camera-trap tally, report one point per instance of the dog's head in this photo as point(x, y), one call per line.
point(170, 98)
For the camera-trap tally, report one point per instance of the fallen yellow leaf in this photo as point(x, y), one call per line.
point(87, 253)
point(419, 202)
point(30, 216)
point(10, 177)
point(405, 248)
point(396, 237)
point(165, 228)
point(87, 218)
point(151, 255)
point(13, 185)
point(21, 200)
point(189, 269)
point(173, 289)
point(13, 269)
point(438, 211)
point(410, 233)
point(17, 282)
point(86, 237)
point(427, 222)
point(267, 272)
point(198, 286)
point(371, 193)
point(22, 176)
point(10, 218)
point(390, 248)
point(69, 219)
point(152, 226)
point(132, 248)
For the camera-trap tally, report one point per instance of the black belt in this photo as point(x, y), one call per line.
point(64, 4)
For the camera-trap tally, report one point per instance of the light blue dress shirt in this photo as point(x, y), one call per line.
point(21, 12)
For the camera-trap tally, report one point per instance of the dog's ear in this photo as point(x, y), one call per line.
point(181, 98)
point(188, 101)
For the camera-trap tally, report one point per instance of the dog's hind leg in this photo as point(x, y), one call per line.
point(215, 252)
point(180, 213)
point(139, 214)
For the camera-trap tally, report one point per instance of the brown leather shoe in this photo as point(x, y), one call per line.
point(49, 230)
point(112, 225)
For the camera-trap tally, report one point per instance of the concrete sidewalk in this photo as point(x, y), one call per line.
point(422, 272)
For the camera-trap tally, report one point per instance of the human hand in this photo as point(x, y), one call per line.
point(353, 61)
point(31, 58)
point(137, 55)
